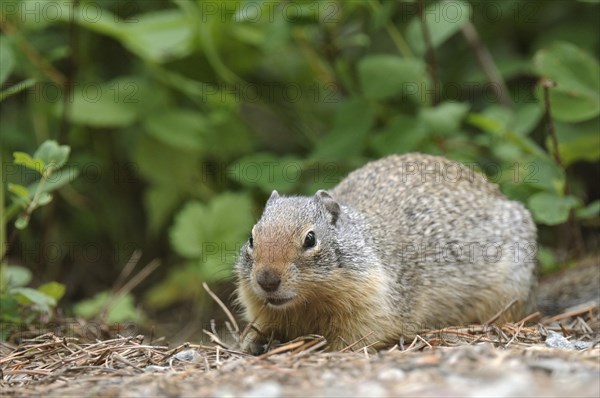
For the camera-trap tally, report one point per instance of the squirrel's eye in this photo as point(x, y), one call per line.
point(251, 242)
point(310, 240)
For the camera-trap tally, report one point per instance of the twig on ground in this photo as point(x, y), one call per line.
point(38, 364)
point(127, 269)
point(356, 342)
point(223, 307)
point(570, 314)
point(130, 285)
point(529, 317)
point(502, 311)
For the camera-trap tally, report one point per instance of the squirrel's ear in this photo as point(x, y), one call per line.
point(274, 195)
point(330, 204)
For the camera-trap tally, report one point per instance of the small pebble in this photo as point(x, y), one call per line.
point(371, 389)
point(556, 340)
point(391, 374)
point(188, 356)
point(155, 368)
point(266, 389)
point(328, 375)
point(225, 392)
point(582, 345)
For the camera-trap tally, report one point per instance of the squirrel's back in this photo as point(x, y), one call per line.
point(403, 243)
point(459, 250)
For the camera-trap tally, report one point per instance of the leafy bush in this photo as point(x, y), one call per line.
point(184, 115)
point(19, 303)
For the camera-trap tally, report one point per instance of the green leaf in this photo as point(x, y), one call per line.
point(541, 173)
point(502, 115)
point(577, 76)
point(267, 172)
point(26, 295)
point(181, 284)
point(17, 88)
point(214, 230)
point(21, 222)
point(173, 169)
point(121, 310)
point(526, 118)
point(590, 211)
point(51, 152)
point(14, 276)
point(90, 308)
point(159, 203)
point(213, 95)
point(44, 199)
point(113, 104)
point(384, 76)
point(34, 16)
point(53, 289)
point(443, 19)
point(577, 141)
point(546, 258)
point(402, 134)
point(159, 36)
point(352, 122)
point(485, 123)
point(498, 122)
point(7, 59)
point(445, 118)
point(181, 129)
point(238, 141)
point(56, 180)
point(551, 209)
point(25, 160)
point(104, 22)
point(189, 229)
point(9, 315)
point(20, 191)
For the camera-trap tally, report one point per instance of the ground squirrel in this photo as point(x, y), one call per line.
point(406, 242)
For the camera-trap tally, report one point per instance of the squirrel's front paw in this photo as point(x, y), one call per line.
point(253, 347)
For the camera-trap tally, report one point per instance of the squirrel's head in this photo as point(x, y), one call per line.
point(291, 248)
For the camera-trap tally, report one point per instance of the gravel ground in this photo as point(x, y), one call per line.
point(467, 371)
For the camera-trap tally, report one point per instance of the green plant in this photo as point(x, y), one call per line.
point(217, 103)
point(572, 96)
point(102, 306)
point(22, 305)
point(19, 303)
point(47, 162)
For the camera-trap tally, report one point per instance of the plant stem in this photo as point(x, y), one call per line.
point(572, 230)
point(39, 189)
point(70, 74)
point(546, 85)
point(487, 63)
point(394, 33)
point(32, 54)
point(3, 218)
point(429, 54)
point(27, 212)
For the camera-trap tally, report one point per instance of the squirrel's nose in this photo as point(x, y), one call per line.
point(269, 280)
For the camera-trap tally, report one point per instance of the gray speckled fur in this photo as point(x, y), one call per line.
point(416, 219)
point(420, 249)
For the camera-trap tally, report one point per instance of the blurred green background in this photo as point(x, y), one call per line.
point(182, 116)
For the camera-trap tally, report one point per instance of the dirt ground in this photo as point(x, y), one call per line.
point(484, 361)
point(478, 370)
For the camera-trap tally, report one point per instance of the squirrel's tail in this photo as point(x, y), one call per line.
point(574, 287)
